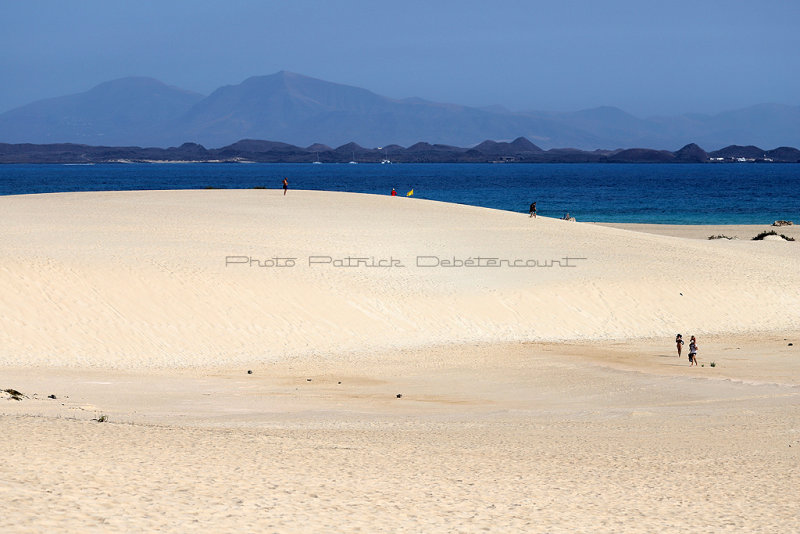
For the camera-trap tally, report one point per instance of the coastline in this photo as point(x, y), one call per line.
point(527, 399)
point(704, 231)
point(520, 150)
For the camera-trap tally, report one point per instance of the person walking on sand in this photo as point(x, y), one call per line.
point(679, 342)
point(692, 352)
point(285, 185)
point(533, 210)
point(394, 192)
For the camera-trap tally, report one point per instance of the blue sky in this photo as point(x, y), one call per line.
point(646, 57)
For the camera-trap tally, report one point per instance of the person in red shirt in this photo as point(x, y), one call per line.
point(394, 193)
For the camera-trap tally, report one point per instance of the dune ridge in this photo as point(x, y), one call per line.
point(165, 278)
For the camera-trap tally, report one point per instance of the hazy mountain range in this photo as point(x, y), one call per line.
point(296, 109)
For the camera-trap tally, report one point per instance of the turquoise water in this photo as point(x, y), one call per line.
point(650, 193)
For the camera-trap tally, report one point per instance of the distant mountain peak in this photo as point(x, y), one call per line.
point(281, 75)
point(299, 109)
point(142, 81)
point(138, 83)
point(127, 111)
point(605, 113)
point(128, 80)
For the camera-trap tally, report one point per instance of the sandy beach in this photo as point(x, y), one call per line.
point(718, 232)
point(332, 362)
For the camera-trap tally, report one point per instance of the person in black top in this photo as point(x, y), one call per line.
point(679, 343)
point(693, 351)
point(533, 209)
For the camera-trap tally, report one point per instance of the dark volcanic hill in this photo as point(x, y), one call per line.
point(735, 151)
point(252, 150)
point(641, 155)
point(520, 145)
point(691, 153)
point(784, 153)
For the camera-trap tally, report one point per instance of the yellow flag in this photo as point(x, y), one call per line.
point(410, 193)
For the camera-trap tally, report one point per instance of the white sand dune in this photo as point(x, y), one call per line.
point(605, 438)
point(152, 279)
point(511, 416)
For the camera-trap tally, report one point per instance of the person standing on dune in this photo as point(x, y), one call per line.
point(285, 185)
point(533, 210)
point(692, 352)
point(679, 342)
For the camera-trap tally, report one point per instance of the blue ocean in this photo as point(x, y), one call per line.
point(649, 193)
